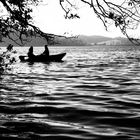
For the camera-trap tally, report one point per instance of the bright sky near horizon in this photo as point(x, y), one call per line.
point(50, 19)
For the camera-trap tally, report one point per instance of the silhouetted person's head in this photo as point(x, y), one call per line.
point(31, 49)
point(46, 47)
point(30, 52)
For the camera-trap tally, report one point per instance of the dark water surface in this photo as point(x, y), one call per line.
point(93, 94)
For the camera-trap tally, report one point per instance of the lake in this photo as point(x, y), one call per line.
point(93, 94)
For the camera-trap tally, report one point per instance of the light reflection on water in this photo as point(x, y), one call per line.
point(93, 94)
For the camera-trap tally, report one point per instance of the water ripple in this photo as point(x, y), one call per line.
point(93, 94)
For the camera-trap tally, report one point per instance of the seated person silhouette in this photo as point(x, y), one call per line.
point(46, 52)
point(30, 53)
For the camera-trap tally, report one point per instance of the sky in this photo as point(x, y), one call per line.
point(50, 19)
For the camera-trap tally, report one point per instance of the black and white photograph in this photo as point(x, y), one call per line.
point(69, 69)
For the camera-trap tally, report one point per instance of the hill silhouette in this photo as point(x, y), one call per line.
point(81, 40)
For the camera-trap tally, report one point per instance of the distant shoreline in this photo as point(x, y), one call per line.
point(81, 40)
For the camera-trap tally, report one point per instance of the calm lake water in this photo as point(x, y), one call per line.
point(93, 94)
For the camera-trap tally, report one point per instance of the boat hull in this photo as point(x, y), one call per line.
point(40, 58)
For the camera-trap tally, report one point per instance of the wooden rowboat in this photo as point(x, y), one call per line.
point(40, 58)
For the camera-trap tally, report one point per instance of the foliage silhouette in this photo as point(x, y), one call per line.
point(16, 21)
point(123, 13)
point(18, 24)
